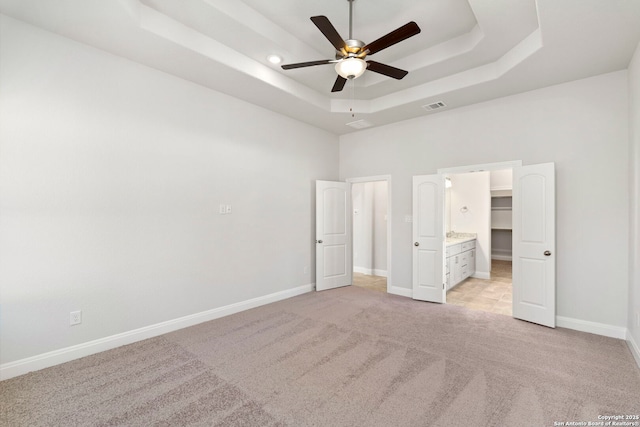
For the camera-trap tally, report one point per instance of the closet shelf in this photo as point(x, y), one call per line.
point(500, 208)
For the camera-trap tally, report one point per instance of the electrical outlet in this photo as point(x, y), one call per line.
point(75, 318)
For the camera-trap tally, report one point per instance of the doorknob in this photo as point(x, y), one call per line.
point(318, 241)
point(416, 244)
point(547, 253)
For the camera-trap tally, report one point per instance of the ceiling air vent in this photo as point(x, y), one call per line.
point(360, 124)
point(434, 106)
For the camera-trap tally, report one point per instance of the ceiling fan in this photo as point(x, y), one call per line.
point(350, 54)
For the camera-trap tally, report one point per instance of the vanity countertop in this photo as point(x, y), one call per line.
point(455, 238)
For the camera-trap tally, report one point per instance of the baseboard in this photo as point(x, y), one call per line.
point(502, 257)
point(403, 292)
point(56, 357)
point(362, 270)
point(565, 322)
point(592, 327)
point(633, 346)
point(481, 275)
point(370, 271)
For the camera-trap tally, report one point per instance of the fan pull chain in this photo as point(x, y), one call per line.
point(352, 89)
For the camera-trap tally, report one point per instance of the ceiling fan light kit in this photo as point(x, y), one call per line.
point(351, 53)
point(351, 68)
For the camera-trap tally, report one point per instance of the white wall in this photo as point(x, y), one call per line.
point(362, 227)
point(471, 213)
point(634, 199)
point(501, 179)
point(370, 227)
point(111, 175)
point(447, 210)
point(380, 227)
point(582, 126)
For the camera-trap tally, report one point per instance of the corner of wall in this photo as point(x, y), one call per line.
point(634, 348)
point(633, 323)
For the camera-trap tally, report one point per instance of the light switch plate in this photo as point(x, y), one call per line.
point(75, 318)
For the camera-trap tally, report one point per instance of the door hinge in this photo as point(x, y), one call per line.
point(443, 286)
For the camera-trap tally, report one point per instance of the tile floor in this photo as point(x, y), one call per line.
point(374, 283)
point(492, 295)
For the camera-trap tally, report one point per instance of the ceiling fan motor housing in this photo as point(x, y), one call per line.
point(352, 48)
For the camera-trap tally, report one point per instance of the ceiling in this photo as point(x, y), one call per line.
point(469, 51)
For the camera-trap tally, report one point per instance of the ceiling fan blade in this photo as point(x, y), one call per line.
point(387, 70)
point(395, 36)
point(307, 64)
point(339, 84)
point(329, 31)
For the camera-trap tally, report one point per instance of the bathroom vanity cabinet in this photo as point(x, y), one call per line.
point(460, 261)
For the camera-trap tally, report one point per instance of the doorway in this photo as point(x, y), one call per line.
point(478, 210)
point(370, 207)
point(534, 267)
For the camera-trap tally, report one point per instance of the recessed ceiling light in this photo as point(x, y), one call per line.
point(274, 59)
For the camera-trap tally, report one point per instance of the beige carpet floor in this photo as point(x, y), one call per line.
point(345, 357)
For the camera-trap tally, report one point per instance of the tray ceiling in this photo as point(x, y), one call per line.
point(468, 51)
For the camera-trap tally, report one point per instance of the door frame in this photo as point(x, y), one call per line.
point(484, 167)
point(378, 178)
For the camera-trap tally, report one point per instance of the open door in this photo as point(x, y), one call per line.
point(534, 260)
point(333, 235)
point(428, 238)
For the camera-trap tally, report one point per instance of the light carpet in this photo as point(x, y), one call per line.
point(345, 357)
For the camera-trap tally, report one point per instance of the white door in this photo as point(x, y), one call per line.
point(333, 235)
point(428, 238)
point(534, 240)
